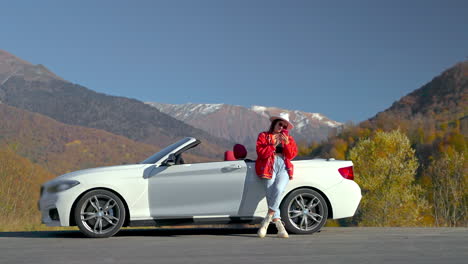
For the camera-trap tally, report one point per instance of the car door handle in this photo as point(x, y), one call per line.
point(231, 168)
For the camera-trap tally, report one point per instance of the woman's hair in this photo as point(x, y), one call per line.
point(273, 124)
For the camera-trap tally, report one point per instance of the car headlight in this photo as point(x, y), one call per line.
point(62, 186)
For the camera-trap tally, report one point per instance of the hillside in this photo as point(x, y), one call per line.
point(443, 99)
point(434, 117)
point(12, 66)
point(34, 89)
point(60, 148)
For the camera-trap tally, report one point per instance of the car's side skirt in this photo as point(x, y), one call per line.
point(173, 221)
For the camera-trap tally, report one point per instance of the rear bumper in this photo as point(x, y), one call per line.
point(344, 198)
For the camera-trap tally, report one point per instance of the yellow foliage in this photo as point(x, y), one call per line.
point(20, 182)
point(449, 189)
point(74, 142)
point(385, 168)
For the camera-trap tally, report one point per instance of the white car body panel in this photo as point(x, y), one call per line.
point(221, 197)
point(216, 190)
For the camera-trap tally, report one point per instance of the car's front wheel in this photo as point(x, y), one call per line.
point(99, 214)
point(304, 211)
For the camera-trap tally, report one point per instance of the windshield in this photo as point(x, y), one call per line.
point(159, 155)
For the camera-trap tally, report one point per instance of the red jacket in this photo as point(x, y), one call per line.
point(266, 155)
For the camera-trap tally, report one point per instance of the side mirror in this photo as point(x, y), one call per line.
point(171, 160)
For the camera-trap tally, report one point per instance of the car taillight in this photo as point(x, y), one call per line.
point(347, 172)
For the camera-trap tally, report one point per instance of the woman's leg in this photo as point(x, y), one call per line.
point(275, 188)
point(280, 185)
point(266, 221)
point(269, 193)
point(274, 192)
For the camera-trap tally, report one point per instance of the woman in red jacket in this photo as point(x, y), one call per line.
point(275, 150)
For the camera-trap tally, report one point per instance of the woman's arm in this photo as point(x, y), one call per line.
point(290, 149)
point(264, 148)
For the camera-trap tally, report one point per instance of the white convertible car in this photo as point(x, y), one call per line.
point(162, 191)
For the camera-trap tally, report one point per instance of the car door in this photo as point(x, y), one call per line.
point(201, 189)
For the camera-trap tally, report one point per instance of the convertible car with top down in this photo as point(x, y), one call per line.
point(163, 190)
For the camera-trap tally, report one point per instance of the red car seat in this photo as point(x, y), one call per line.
point(229, 155)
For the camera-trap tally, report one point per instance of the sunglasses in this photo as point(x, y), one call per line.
point(284, 126)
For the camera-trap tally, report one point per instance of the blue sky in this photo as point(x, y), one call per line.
point(345, 59)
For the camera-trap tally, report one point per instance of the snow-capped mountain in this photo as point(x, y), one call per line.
point(301, 120)
point(242, 125)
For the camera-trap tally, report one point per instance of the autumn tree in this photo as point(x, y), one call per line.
point(385, 168)
point(449, 194)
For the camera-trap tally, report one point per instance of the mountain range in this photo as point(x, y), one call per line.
point(241, 124)
point(35, 89)
point(42, 106)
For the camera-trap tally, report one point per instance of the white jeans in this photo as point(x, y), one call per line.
point(275, 186)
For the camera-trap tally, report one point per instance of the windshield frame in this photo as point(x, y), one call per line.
point(164, 153)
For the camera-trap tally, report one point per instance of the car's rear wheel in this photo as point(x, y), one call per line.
point(304, 211)
point(99, 214)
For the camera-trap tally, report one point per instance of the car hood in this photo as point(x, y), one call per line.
point(101, 170)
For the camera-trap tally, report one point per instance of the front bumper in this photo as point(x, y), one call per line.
point(56, 208)
point(47, 205)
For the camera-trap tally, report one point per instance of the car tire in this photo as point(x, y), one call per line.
point(304, 211)
point(99, 214)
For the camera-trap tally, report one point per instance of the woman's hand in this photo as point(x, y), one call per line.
point(276, 139)
point(284, 138)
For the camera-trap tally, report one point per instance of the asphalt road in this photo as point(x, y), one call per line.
point(240, 246)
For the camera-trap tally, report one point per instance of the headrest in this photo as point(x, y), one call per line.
point(240, 152)
point(229, 155)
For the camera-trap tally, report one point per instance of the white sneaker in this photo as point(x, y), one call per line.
point(264, 226)
point(281, 230)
